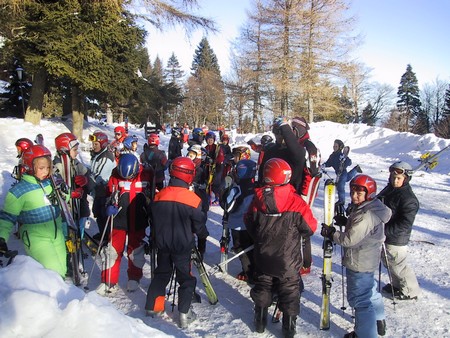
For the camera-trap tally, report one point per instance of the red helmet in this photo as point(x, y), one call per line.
point(153, 140)
point(225, 137)
point(23, 144)
point(65, 141)
point(31, 154)
point(120, 129)
point(277, 172)
point(183, 168)
point(99, 137)
point(366, 183)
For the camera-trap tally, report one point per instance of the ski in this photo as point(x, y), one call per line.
point(429, 161)
point(218, 267)
point(209, 290)
point(329, 198)
point(224, 242)
point(72, 241)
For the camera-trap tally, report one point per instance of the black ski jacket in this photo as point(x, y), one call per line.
point(404, 205)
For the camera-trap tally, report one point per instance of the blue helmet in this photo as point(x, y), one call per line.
point(245, 169)
point(128, 166)
point(198, 134)
point(210, 134)
point(128, 141)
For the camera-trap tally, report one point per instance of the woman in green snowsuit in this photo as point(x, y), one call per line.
point(29, 203)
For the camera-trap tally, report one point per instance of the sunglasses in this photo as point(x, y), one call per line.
point(399, 171)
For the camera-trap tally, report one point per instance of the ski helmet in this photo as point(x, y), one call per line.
point(210, 134)
point(120, 130)
point(245, 169)
point(198, 135)
point(225, 137)
point(401, 167)
point(32, 153)
point(277, 172)
point(153, 139)
point(299, 126)
point(242, 152)
point(128, 141)
point(23, 144)
point(128, 166)
point(197, 149)
point(265, 139)
point(366, 183)
point(99, 137)
point(176, 132)
point(64, 142)
point(183, 168)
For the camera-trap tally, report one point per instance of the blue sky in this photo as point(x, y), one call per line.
point(396, 33)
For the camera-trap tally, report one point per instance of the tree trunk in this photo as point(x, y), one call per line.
point(34, 110)
point(77, 114)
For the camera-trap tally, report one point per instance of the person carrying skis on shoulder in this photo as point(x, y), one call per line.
point(102, 165)
point(400, 198)
point(129, 189)
point(175, 144)
point(276, 220)
point(244, 183)
point(32, 203)
point(362, 241)
point(340, 161)
point(174, 239)
point(156, 158)
point(214, 170)
point(22, 144)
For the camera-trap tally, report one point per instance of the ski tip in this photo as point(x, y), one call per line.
point(329, 181)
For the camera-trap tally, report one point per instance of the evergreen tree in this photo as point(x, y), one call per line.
point(369, 115)
point(173, 72)
point(409, 103)
point(204, 60)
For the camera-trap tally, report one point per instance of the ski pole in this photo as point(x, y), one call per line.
point(343, 307)
point(218, 267)
point(109, 266)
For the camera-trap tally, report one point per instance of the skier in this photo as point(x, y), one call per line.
point(175, 144)
point(174, 238)
point(214, 169)
point(102, 164)
point(76, 177)
point(362, 240)
point(400, 198)
point(156, 158)
point(197, 137)
point(130, 146)
point(30, 203)
point(198, 155)
point(276, 220)
point(116, 145)
point(244, 181)
point(266, 142)
point(340, 161)
point(128, 189)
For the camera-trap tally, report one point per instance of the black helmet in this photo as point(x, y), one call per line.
point(176, 132)
point(265, 139)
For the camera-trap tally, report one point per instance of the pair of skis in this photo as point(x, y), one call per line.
point(209, 290)
point(429, 161)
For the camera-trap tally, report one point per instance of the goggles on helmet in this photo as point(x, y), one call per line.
point(399, 171)
point(93, 138)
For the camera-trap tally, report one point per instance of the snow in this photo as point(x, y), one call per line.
point(35, 302)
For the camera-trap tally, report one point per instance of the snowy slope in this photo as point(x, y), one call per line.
point(34, 302)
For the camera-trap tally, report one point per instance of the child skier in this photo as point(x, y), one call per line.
point(175, 144)
point(156, 158)
point(128, 188)
point(244, 181)
point(276, 220)
point(362, 240)
point(32, 203)
point(340, 161)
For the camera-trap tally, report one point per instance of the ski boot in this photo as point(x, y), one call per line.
point(381, 327)
point(260, 319)
point(289, 326)
point(187, 318)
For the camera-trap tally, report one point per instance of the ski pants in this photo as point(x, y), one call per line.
point(45, 248)
point(403, 276)
point(113, 252)
point(287, 289)
point(166, 262)
point(241, 241)
point(363, 296)
point(343, 179)
point(99, 211)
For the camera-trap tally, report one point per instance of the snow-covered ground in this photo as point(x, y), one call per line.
point(35, 302)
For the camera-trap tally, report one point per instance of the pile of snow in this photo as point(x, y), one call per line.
point(35, 302)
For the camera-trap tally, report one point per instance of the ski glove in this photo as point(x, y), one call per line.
point(77, 193)
point(81, 180)
point(327, 231)
point(112, 210)
point(340, 220)
point(3, 246)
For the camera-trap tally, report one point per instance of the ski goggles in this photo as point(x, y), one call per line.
point(399, 171)
point(93, 138)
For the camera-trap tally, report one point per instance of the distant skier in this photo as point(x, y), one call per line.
point(175, 144)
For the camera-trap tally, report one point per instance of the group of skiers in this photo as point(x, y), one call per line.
point(268, 206)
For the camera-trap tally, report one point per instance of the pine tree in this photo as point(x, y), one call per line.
point(369, 115)
point(409, 100)
point(173, 72)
